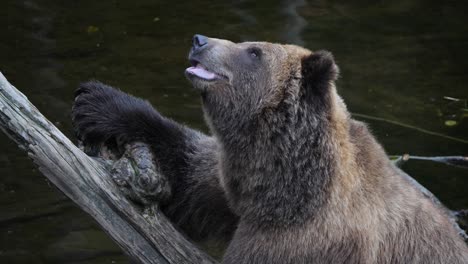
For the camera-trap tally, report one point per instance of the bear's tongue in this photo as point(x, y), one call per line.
point(201, 72)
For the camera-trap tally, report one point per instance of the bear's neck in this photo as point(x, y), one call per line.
point(277, 171)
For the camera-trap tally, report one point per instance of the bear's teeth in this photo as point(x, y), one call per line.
point(201, 72)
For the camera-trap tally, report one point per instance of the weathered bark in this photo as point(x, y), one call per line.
point(147, 237)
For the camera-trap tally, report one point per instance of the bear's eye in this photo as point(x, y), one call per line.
point(254, 52)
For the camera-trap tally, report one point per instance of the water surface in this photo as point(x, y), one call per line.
point(398, 60)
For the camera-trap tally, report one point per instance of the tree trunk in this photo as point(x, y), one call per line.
point(146, 237)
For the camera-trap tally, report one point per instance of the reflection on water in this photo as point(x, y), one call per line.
point(398, 60)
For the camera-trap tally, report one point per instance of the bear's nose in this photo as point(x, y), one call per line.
point(199, 41)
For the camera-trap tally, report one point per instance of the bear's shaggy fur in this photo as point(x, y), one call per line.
point(288, 176)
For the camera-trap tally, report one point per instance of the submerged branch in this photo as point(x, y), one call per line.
point(425, 131)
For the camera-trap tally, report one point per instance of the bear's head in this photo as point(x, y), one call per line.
point(278, 117)
point(242, 83)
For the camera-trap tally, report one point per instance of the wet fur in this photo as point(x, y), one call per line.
point(296, 180)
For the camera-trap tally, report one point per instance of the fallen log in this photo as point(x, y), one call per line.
point(145, 235)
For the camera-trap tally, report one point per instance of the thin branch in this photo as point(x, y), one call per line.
point(458, 161)
point(422, 130)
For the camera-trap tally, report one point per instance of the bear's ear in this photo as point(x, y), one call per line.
point(318, 72)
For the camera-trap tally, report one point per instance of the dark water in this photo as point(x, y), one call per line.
point(398, 60)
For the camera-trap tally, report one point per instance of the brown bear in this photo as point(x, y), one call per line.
point(287, 176)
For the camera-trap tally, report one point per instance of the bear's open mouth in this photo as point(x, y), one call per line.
point(198, 70)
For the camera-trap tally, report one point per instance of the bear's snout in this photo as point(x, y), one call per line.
point(199, 41)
